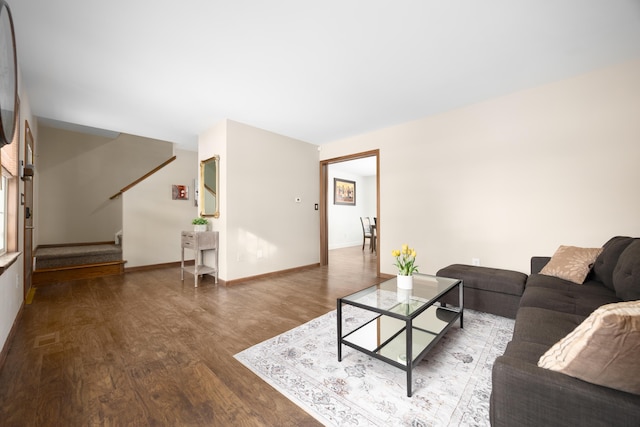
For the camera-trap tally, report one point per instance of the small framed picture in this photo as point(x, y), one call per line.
point(344, 192)
point(180, 192)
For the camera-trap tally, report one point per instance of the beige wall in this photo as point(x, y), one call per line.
point(78, 173)
point(514, 176)
point(261, 225)
point(152, 220)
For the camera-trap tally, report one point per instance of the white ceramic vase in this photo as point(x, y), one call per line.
point(200, 227)
point(403, 296)
point(405, 282)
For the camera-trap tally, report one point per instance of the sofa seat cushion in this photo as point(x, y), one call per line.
point(526, 350)
point(543, 326)
point(566, 301)
point(522, 394)
point(590, 286)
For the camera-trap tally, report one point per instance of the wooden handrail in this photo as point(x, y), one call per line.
point(143, 177)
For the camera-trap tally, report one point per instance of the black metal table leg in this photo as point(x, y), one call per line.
point(461, 290)
point(409, 354)
point(339, 317)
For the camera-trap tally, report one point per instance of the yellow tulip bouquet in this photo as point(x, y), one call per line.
point(405, 260)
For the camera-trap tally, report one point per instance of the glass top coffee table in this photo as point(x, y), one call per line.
point(406, 324)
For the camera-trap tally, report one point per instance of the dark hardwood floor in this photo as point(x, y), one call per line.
point(145, 348)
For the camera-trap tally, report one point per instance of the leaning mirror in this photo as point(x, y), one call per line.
point(8, 77)
point(209, 182)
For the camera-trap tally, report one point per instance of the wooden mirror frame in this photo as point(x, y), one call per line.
point(8, 76)
point(209, 194)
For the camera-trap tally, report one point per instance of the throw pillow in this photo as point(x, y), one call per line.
point(603, 349)
point(571, 263)
point(626, 275)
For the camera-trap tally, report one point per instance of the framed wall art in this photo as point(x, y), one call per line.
point(180, 192)
point(344, 192)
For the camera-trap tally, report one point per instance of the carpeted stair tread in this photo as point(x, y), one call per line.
point(71, 251)
point(65, 256)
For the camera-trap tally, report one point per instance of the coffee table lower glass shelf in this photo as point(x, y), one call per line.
point(406, 324)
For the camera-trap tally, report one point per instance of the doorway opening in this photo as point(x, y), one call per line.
point(28, 211)
point(326, 198)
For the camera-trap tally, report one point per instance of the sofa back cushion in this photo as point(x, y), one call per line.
point(626, 275)
point(607, 260)
point(603, 349)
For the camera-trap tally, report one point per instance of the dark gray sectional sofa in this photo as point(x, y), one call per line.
point(550, 308)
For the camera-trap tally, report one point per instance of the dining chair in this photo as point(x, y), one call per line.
point(374, 235)
point(367, 232)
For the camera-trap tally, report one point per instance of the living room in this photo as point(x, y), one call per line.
point(498, 178)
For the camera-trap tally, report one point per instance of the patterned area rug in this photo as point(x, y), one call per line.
point(451, 386)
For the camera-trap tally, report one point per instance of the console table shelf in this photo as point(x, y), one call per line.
point(199, 242)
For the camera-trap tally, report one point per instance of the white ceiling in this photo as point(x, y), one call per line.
point(317, 71)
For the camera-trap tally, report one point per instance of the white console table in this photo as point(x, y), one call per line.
point(200, 241)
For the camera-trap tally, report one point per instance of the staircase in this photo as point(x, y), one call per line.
point(60, 263)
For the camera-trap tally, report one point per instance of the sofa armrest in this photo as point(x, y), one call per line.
point(525, 395)
point(538, 263)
